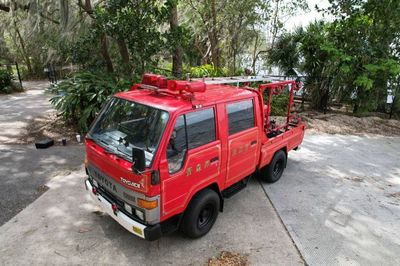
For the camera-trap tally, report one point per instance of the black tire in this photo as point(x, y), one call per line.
point(272, 172)
point(201, 213)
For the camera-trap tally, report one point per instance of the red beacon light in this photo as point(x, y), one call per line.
point(154, 80)
point(177, 88)
point(191, 87)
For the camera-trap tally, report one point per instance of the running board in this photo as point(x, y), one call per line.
point(235, 188)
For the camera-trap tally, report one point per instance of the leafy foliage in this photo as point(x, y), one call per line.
point(136, 22)
point(81, 97)
point(6, 82)
point(207, 70)
point(352, 59)
point(6, 78)
point(279, 105)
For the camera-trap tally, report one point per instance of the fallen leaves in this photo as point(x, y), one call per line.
point(227, 258)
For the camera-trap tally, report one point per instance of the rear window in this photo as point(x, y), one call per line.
point(240, 116)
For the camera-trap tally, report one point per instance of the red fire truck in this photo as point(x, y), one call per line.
point(165, 154)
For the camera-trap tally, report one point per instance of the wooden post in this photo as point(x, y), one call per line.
point(19, 75)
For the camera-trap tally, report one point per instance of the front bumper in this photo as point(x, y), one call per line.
point(148, 232)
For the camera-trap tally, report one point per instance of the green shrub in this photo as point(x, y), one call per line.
point(81, 97)
point(279, 104)
point(207, 71)
point(6, 78)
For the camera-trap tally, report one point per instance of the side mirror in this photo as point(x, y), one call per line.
point(138, 160)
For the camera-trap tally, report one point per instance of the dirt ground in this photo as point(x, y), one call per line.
point(48, 126)
point(337, 123)
point(226, 258)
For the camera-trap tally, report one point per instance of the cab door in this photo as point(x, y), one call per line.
point(242, 141)
point(192, 159)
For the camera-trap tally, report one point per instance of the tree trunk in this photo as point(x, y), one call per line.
point(123, 50)
point(105, 53)
point(177, 51)
point(64, 13)
point(213, 36)
point(255, 55)
point(23, 50)
point(275, 24)
point(234, 62)
point(87, 7)
point(392, 106)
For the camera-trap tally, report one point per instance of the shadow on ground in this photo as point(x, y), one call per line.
point(24, 171)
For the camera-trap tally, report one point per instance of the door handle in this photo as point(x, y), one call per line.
point(214, 159)
point(254, 142)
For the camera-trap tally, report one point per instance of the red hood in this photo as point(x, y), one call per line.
point(116, 168)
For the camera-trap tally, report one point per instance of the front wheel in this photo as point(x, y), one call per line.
point(201, 213)
point(272, 172)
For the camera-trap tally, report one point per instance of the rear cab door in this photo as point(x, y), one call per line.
point(242, 140)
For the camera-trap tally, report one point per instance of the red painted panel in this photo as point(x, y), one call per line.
point(116, 168)
point(242, 155)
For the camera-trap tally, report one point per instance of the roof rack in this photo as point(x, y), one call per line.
point(236, 79)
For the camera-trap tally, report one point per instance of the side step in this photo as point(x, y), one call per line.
point(235, 188)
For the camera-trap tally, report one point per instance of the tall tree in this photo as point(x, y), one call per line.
point(87, 8)
point(137, 22)
point(210, 19)
point(177, 51)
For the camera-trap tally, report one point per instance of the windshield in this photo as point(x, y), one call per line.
point(124, 124)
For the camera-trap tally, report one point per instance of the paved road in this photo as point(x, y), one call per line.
point(17, 109)
point(338, 200)
point(62, 227)
point(24, 170)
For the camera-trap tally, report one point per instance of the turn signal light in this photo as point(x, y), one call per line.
point(145, 204)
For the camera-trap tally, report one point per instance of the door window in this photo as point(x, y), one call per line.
point(240, 116)
point(200, 127)
point(191, 130)
point(177, 146)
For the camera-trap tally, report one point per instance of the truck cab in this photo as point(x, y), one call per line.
point(165, 154)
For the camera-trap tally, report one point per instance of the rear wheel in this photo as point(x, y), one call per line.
point(201, 213)
point(272, 172)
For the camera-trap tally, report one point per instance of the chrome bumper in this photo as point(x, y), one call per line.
point(132, 226)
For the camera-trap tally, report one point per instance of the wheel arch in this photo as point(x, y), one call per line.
point(213, 186)
point(284, 149)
